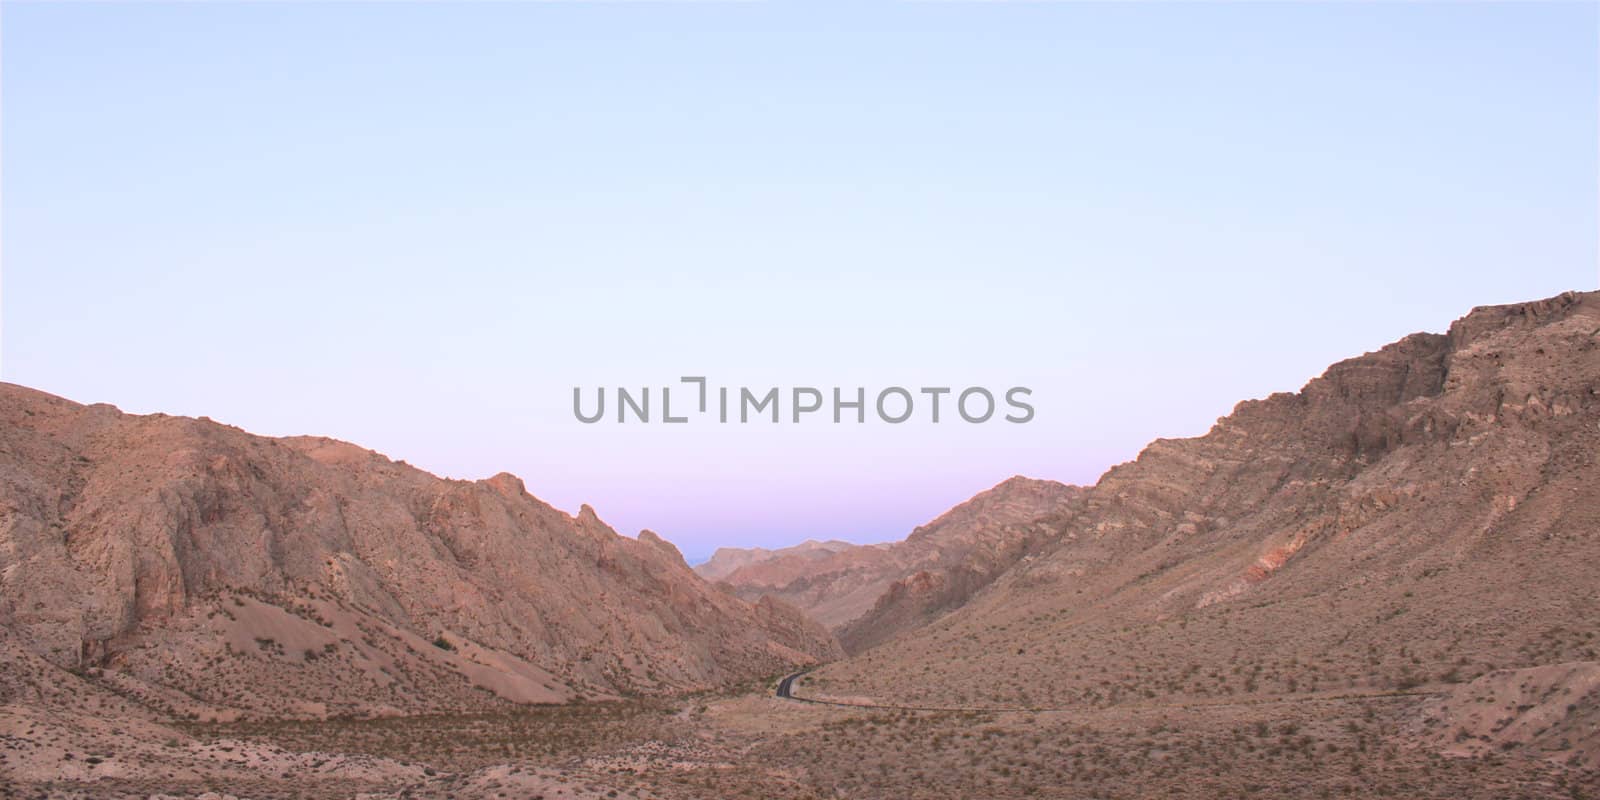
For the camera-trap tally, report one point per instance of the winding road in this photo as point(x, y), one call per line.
point(786, 686)
point(785, 691)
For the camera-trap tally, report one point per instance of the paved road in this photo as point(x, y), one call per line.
point(786, 686)
point(785, 691)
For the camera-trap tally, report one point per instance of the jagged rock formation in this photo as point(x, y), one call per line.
point(869, 593)
point(215, 572)
point(1419, 516)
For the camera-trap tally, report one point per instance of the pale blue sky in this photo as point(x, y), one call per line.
point(417, 226)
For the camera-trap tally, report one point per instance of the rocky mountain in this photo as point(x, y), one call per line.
point(214, 573)
point(1384, 585)
point(869, 593)
point(1415, 519)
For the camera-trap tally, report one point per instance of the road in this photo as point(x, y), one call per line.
point(785, 691)
point(786, 686)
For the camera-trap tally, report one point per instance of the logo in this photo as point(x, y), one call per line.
point(698, 401)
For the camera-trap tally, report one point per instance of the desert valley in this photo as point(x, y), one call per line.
point(1386, 584)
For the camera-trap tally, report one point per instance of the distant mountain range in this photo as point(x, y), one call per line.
point(871, 593)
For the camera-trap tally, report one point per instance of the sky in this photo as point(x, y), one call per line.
point(419, 226)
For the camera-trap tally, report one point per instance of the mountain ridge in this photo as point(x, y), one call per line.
point(145, 544)
point(1418, 517)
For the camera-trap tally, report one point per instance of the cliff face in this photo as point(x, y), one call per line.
point(307, 574)
point(869, 593)
point(1418, 516)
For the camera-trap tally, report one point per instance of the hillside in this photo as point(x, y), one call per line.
point(1416, 518)
point(212, 573)
point(869, 593)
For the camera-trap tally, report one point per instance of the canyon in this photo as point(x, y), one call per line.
point(1384, 584)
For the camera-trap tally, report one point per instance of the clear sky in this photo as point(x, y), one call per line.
point(418, 226)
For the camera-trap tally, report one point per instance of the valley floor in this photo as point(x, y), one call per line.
point(755, 745)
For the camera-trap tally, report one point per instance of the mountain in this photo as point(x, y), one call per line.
point(728, 560)
point(1416, 518)
point(869, 593)
point(213, 573)
point(1384, 585)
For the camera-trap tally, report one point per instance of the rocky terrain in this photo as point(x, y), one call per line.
point(1425, 518)
point(870, 593)
point(1384, 585)
point(214, 574)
